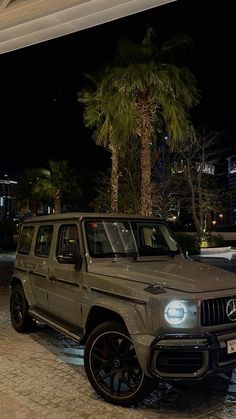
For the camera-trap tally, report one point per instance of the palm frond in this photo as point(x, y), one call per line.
point(176, 41)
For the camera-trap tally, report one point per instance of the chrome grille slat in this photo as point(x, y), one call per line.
point(221, 310)
point(213, 311)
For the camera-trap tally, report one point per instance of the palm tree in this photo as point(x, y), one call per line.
point(129, 181)
point(28, 201)
point(108, 112)
point(55, 181)
point(160, 94)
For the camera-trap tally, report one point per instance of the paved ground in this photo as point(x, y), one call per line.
point(42, 376)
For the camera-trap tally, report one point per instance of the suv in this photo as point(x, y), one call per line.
point(123, 288)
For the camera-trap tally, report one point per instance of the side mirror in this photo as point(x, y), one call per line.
point(184, 252)
point(70, 258)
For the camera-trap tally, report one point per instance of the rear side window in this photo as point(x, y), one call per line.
point(26, 240)
point(43, 241)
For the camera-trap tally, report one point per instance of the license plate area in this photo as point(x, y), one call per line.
point(231, 346)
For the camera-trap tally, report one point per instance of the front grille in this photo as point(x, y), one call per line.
point(179, 362)
point(213, 312)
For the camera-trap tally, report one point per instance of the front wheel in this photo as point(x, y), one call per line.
point(20, 319)
point(112, 366)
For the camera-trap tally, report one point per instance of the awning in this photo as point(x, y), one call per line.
point(27, 22)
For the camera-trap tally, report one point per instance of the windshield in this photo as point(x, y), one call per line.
point(109, 238)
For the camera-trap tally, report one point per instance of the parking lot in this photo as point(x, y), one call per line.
point(42, 376)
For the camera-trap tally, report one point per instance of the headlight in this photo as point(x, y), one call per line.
point(175, 312)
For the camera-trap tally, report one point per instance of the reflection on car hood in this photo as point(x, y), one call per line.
point(177, 273)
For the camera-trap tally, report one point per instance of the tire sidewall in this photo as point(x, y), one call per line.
point(22, 325)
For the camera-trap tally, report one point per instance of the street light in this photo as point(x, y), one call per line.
point(174, 218)
point(214, 224)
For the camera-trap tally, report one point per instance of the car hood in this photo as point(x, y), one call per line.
point(182, 275)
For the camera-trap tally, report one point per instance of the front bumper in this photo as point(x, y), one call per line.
point(183, 357)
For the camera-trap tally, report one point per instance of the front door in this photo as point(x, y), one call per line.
point(39, 271)
point(65, 278)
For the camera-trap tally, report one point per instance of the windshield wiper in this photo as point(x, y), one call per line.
point(160, 252)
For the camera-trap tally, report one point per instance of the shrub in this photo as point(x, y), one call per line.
point(212, 240)
point(189, 242)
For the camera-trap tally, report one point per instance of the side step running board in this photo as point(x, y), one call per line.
point(60, 328)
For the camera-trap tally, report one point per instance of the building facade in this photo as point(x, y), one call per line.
point(232, 188)
point(7, 203)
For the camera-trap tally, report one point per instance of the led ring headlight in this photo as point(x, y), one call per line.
point(175, 312)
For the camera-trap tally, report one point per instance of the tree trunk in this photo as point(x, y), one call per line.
point(193, 201)
point(114, 177)
point(200, 199)
point(57, 202)
point(146, 202)
point(33, 210)
point(146, 111)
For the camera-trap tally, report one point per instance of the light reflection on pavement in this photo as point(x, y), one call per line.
point(68, 350)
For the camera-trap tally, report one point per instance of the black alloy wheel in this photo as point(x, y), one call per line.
point(112, 366)
point(20, 319)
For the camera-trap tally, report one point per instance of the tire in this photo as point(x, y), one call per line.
point(20, 319)
point(112, 366)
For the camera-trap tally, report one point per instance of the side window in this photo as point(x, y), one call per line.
point(152, 237)
point(43, 241)
point(97, 239)
point(26, 240)
point(68, 241)
point(156, 238)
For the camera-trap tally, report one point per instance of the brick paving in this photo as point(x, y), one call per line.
point(35, 383)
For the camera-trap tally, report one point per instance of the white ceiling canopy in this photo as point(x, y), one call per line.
point(27, 22)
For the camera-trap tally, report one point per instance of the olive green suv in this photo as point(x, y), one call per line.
point(123, 288)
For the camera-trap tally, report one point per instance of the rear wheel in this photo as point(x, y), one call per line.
point(20, 318)
point(112, 366)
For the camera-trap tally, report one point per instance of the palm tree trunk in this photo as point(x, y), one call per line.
point(34, 209)
point(114, 177)
point(57, 202)
point(146, 111)
point(145, 157)
point(146, 201)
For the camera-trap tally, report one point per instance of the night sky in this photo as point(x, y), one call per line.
point(41, 118)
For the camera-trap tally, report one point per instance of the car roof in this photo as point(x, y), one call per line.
point(83, 215)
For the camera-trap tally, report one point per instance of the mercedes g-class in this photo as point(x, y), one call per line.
point(122, 286)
